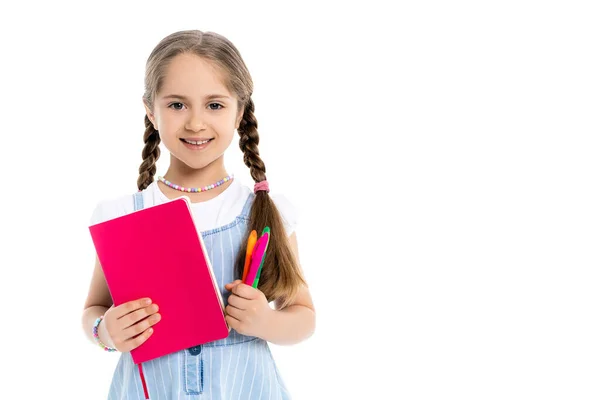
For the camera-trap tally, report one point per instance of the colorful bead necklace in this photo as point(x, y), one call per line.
point(195, 190)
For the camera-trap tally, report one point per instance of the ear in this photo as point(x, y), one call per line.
point(149, 114)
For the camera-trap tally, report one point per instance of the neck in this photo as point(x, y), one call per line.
point(181, 174)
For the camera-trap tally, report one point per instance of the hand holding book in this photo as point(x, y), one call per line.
point(130, 324)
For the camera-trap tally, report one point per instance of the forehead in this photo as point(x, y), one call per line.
point(193, 76)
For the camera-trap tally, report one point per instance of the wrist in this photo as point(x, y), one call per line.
point(101, 335)
point(104, 336)
point(269, 322)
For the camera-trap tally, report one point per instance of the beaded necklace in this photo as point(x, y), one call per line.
point(195, 190)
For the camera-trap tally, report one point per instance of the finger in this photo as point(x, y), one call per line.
point(234, 312)
point(136, 316)
point(138, 340)
point(232, 322)
point(132, 306)
point(237, 302)
point(141, 326)
point(229, 286)
point(245, 291)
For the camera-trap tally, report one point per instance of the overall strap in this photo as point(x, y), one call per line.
point(248, 205)
point(138, 201)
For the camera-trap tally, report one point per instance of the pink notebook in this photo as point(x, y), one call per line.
point(157, 252)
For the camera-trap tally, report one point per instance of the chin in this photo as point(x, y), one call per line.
point(198, 162)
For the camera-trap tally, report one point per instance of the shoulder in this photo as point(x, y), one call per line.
point(288, 211)
point(114, 207)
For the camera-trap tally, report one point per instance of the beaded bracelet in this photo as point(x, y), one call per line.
point(97, 337)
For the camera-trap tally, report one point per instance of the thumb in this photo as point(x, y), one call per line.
point(231, 285)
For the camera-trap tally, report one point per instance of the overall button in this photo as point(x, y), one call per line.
point(195, 350)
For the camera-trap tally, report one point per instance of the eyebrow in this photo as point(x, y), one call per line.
point(209, 97)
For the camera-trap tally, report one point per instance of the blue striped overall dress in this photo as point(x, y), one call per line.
point(237, 367)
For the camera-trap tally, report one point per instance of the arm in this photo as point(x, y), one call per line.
point(297, 321)
point(294, 323)
point(96, 304)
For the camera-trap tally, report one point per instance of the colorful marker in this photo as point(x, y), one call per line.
point(249, 249)
point(267, 233)
point(257, 257)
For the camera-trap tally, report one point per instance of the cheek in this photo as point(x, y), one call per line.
point(226, 131)
point(227, 138)
point(170, 125)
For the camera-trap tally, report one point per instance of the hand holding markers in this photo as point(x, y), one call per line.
point(248, 311)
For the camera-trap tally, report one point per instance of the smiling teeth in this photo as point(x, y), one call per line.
point(196, 143)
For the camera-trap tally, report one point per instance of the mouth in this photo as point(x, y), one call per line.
point(196, 144)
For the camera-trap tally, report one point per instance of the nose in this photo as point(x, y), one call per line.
point(195, 122)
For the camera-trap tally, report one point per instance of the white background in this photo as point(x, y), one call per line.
point(444, 157)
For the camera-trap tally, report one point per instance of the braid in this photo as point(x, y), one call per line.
point(150, 155)
point(280, 276)
point(249, 143)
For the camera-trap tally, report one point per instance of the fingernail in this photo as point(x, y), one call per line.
point(148, 301)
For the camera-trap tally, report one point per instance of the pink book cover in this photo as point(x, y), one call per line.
point(157, 252)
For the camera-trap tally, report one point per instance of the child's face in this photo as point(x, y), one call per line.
point(193, 115)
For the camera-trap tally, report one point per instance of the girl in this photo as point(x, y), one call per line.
point(197, 93)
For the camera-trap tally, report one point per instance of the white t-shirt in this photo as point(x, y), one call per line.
point(210, 214)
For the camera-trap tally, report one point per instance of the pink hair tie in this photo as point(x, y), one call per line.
point(262, 185)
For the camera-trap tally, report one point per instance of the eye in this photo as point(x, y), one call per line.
point(215, 104)
point(172, 104)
